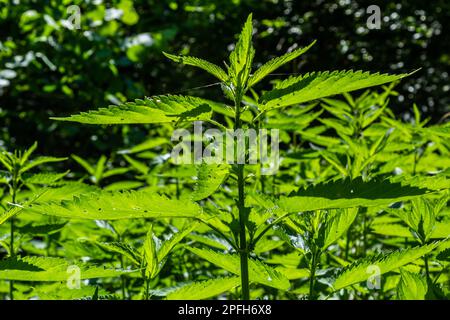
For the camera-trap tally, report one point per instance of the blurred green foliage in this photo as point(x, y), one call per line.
point(49, 67)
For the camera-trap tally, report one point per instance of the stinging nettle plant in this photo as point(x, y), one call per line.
point(318, 216)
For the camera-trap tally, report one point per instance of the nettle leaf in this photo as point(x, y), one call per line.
point(209, 67)
point(168, 245)
point(124, 249)
point(150, 255)
point(359, 270)
point(113, 206)
point(39, 161)
point(275, 63)
point(349, 193)
point(51, 269)
point(258, 271)
point(44, 178)
point(241, 57)
point(204, 289)
point(336, 225)
point(41, 229)
point(412, 286)
point(316, 85)
point(157, 109)
point(209, 179)
point(65, 192)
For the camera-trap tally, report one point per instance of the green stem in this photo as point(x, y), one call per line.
point(242, 236)
point(12, 228)
point(312, 277)
point(147, 288)
point(243, 249)
point(427, 270)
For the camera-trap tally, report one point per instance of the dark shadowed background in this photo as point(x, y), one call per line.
point(48, 67)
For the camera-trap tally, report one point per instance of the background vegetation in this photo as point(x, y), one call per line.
point(49, 69)
point(364, 177)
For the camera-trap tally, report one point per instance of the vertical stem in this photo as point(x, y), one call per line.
point(12, 227)
point(242, 212)
point(147, 288)
point(427, 270)
point(312, 276)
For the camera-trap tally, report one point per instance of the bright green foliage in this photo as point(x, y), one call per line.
point(209, 67)
point(317, 85)
point(210, 177)
point(260, 272)
point(204, 289)
point(411, 286)
point(159, 109)
point(349, 193)
point(358, 271)
point(112, 206)
point(353, 181)
point(275, 63)
point(50, 269)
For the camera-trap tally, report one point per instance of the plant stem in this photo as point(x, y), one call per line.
point(243, 249)
point(312, 276)
point(12, 227)
point(427, 270)
point(242, 236)
point(147, 288)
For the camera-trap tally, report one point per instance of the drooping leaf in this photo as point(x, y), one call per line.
point(316, 85)
point(209, 67)
point(158, 109)
point(204, 289)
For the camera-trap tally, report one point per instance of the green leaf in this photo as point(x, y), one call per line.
point(112, 206)
point(209, 67)
point(64, 192)
point(90, 169)
point(168, 245)
point(209, 179)
point(150, 255)
point(123, 249)
point(316, 85)
point(336, 225)
point(44, 178)
point(258, 271)
point(158, 109)
point(347, 194)
point(358, 271)
point(241, 57)
point(51, 269)
point(204, 289)
point(275, 63)
point(411, 286)
point(138, 165)
point(38, 161)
